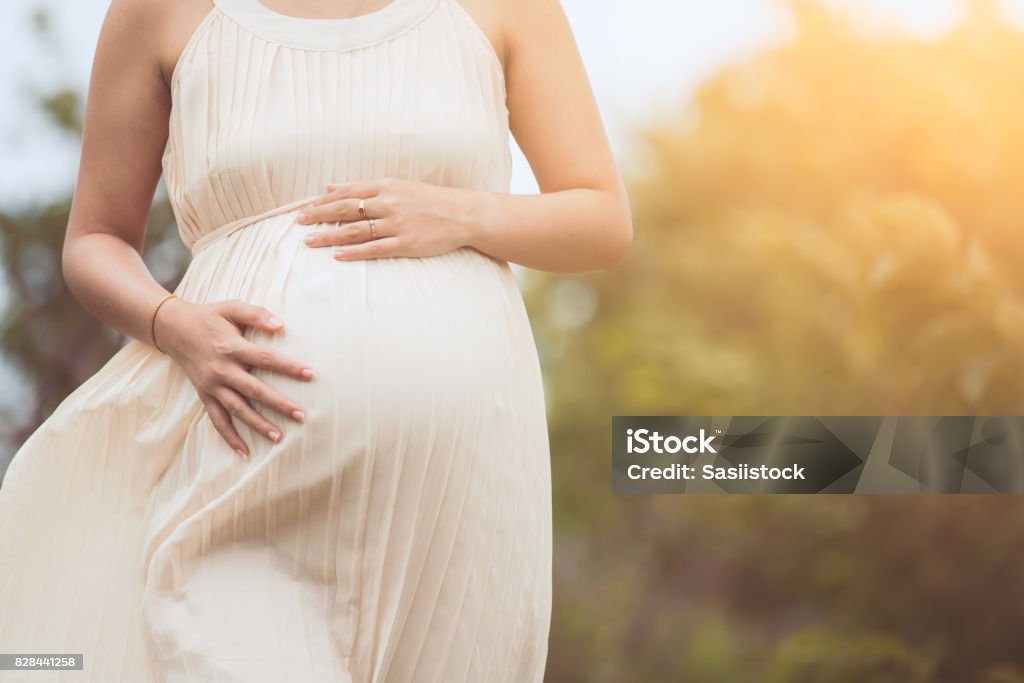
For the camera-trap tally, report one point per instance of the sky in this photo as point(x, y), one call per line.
point(643, 56)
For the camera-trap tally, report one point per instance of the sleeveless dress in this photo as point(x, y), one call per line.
point(403, 531)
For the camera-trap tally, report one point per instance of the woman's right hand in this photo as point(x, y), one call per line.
point(207, 341)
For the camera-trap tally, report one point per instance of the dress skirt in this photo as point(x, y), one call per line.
point(401, 533)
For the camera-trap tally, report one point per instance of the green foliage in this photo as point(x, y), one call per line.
point(64, 109)
point(54, 343)
point(44, 331)
point(815, 657)
point(838, 213)
point(831, 227)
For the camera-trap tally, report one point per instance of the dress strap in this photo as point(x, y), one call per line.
point(345, 33)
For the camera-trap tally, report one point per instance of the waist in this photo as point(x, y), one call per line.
point(224, 230)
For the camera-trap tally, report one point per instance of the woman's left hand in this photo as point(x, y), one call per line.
point(411, 218)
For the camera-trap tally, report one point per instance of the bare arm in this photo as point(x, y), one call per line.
point(126, 128)
point(581, 220)
point(125, 131)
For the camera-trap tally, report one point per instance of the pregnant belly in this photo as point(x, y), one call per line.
point(435, 349)
point(424, 435)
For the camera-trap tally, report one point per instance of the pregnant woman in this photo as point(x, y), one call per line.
point(324, 456)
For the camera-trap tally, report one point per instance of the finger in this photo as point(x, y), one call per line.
point(349, 233)
point(255, 390)
point(258, 356)
point(221, 420)
point(240, 409)
point(330, 212)
point(381, 248)
point(250, 315)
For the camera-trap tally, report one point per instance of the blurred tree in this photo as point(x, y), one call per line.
point(1001, 673)
point(831, 227)
point(814, 657)
point(45, 333)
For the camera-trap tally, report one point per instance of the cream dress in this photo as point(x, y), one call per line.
point(403, 531)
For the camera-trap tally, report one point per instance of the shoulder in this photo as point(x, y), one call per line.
point(510, 22)
point(516, 24)
point(152, 32)
point(522, 17)
point(499, 20)
point(133, 15)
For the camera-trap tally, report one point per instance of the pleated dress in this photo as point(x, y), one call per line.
point(402, 532)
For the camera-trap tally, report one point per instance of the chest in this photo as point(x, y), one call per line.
point(269, 123)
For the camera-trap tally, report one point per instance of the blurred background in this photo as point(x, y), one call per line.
point(829, 214)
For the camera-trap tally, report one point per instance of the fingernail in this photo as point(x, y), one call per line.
point(301, 217)
point(274, 436)
point(274, 321)
point(308, 239)
point(241, 453)
point(338, 253)
point(298, 415)
point(307, 373)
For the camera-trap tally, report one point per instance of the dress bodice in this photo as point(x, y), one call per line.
point(267, 109)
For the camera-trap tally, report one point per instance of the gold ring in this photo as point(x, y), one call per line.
point(362, 209)
point(373, 228)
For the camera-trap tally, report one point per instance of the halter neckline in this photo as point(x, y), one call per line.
point(340, 33)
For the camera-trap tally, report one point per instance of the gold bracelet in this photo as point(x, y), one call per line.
point(152, 321)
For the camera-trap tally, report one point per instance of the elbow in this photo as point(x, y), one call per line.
point(68, 264)
point(620, 242)
point(625, 242)
point(66, 267)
